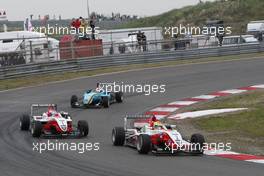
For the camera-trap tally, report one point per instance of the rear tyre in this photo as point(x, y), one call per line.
point(36, 129)
point(144, 144)
point(119, 97)
point(197, 141)
point(83, 128)
point(105, 102)
point(118, 136)
point(74, 100)
point(24, 122)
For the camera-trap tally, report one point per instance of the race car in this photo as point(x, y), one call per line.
point(96, 98)
point(51, 123)
point(147, 134)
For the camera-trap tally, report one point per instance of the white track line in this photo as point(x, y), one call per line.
point(164, 109)
point(261, 86)
point(206, 97)
point(233, 91)
point(213, 152)
point(183, 103)
point(261, 161)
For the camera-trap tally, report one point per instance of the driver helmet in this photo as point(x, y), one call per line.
point(154, 119)
point(157, 125)
point(51, 113)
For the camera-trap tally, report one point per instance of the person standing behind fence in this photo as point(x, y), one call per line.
point(139, 39)
point(73, 23)
point(76, 24)
point(83, 27)
point(144, 42)
point(92, 25)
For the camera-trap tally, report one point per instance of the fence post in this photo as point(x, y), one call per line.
point(156, 43)
point(31, 51)
point(72, 50)
point(48, 47)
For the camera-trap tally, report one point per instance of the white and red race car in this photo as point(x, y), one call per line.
point(51, 122)
point(147, 134)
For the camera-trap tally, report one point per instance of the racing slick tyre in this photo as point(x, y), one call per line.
point(74, 100)
point(24, 122)
point(144, 144)
point(83, 128)
point(105, 102)
point(198, 142)
point(36, 129)
point(119, 97)
point(118, 136)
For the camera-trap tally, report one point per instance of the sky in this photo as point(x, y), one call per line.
point(21, 9)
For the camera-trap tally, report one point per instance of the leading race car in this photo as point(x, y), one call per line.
point(51, 123)
point(147, 134)
point(98, 97)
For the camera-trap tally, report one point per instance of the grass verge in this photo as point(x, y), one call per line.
point(46, 78)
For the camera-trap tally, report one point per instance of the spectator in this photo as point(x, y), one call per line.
point(122, 48)
point(260, 37)
point(144, 42)
point(220, 39)
point(111, 50)
point(92, 25)
point(83, 27)
point(140, 40)
point(73, 23)
point(77, 24)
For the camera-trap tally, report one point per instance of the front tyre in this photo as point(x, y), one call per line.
point(143, 144)
point(24, 122)
point(74, 101)
point(105, 102)
point(119, 97)
point(118, 136)
point(83, 128)
point(197, 141)
point(36, 129)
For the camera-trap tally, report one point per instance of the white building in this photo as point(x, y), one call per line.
point(21, 47)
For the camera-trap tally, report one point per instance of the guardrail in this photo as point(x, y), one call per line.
point(124, 59)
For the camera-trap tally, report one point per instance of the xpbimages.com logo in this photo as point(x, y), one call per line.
point(146, 89)
point(213, 147)
point(80, 147)
point(63, 30)
point(196, 30)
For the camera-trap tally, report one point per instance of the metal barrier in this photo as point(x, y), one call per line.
point(124, 59)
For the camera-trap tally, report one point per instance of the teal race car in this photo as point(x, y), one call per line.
point(96, 98)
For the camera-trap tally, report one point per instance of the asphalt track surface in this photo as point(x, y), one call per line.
point(17, 157)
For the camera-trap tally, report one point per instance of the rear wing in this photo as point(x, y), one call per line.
point(136, 121)
point(37, 107)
